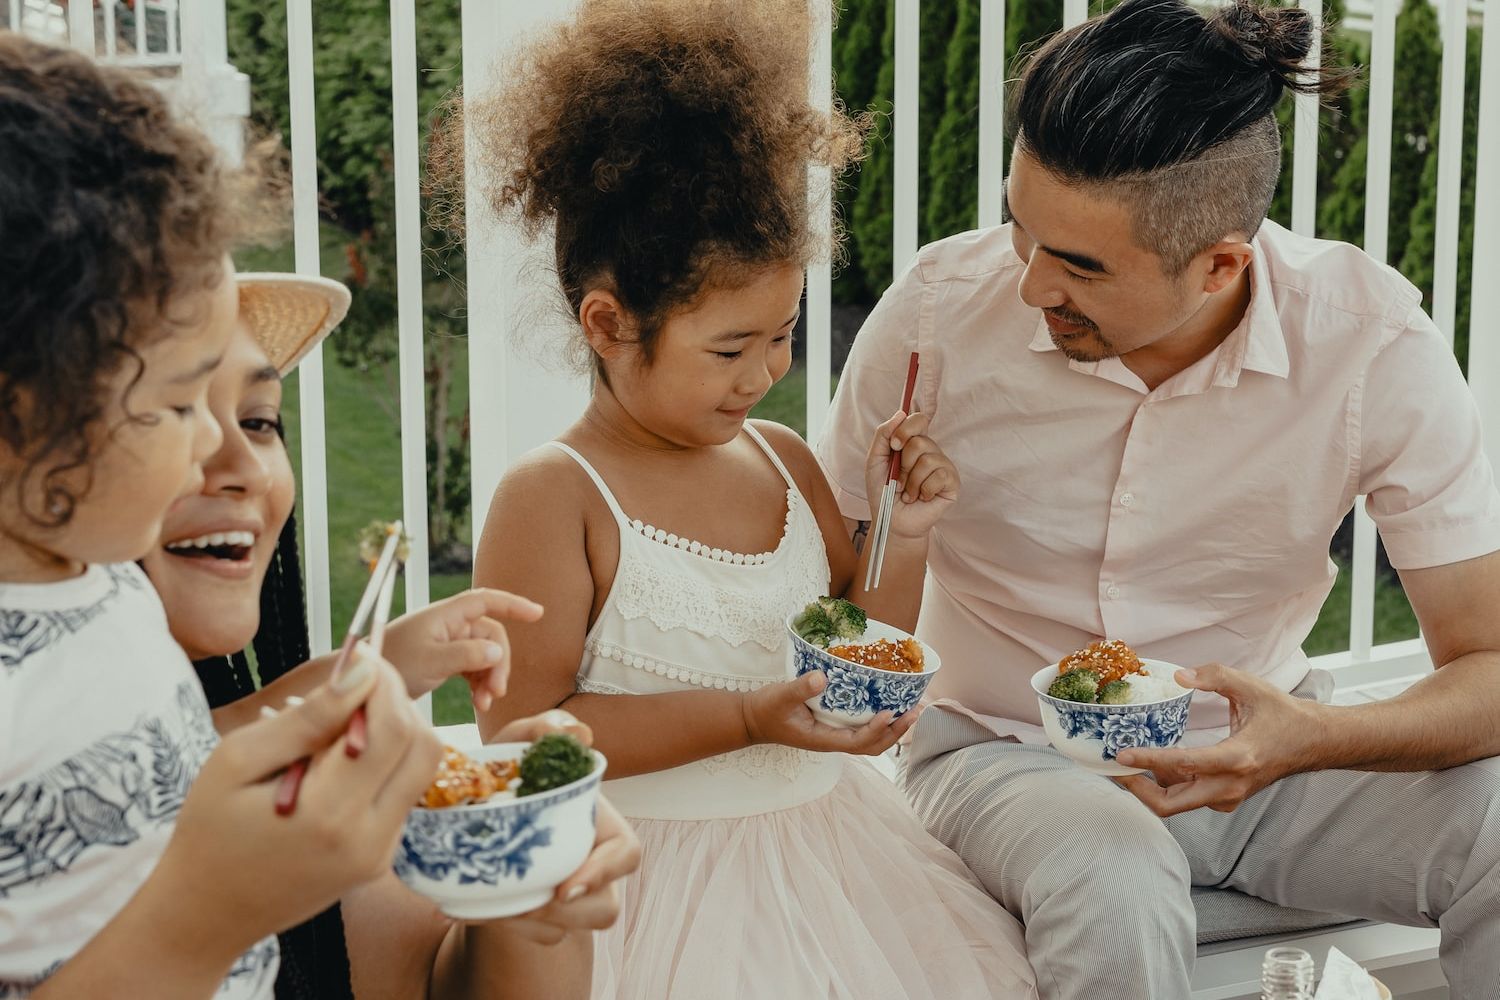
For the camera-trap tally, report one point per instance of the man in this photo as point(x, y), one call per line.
point(1162, 455)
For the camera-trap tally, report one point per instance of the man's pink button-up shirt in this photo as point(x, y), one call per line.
point(1192, 521)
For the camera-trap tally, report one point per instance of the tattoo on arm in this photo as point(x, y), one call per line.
point(861, 532)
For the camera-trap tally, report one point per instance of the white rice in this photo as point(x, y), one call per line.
point(1145, 688)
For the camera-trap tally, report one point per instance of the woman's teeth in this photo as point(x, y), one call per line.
point(233, 545)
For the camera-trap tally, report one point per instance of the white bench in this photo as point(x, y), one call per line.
point(1234, 931)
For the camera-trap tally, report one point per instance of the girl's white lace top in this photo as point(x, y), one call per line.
point(681, 616)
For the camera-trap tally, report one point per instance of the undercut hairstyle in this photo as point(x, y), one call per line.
point(110, 209)
point(1173, 113)
point(666, 142)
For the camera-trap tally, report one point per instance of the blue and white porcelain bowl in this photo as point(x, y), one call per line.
point(504, 856)
point(1093, 734)
point(855, 693)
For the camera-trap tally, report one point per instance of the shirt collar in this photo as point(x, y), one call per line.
point(1265, 341)
point(1257, 344)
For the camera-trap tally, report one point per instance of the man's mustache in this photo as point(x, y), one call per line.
point(1067, 316)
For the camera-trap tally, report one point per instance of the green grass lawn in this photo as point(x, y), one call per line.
point(1394, 619)
point(364, 484)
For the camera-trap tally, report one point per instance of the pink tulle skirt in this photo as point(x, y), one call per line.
point(844, 898)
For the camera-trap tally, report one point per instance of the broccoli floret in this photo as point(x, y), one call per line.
point(848, 618)
point(1076, 685)
point(555, 760)
point(814, 625)
point(1116, 692)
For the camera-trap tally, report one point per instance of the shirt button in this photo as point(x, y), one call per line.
point(1112, 592)
point(1126, 499)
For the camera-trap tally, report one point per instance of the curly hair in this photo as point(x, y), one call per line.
point(668, 142)
point(109, 210)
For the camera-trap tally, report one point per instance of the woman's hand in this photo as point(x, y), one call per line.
point(460, 635)
point(247, 872)
point(927, 484)
point(778, 713)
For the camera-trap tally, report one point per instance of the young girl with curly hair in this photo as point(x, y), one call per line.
point(135, 858)
point(669, 536)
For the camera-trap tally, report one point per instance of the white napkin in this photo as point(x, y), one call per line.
point(1343, 979)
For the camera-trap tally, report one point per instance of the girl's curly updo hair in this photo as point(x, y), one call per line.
point(110, 209)
point(668, 142)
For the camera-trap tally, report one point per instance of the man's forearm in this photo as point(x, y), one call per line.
point(1449, 718)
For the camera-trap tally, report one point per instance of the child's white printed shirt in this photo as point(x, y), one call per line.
point(103, 727)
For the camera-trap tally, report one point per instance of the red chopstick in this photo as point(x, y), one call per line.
point(291, 778)
point(894, 475)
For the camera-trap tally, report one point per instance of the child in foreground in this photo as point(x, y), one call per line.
point(670, 537)
point(135, 858)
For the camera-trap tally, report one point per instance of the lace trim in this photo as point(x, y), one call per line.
point(586, 685)
point(671, 671)
point(761, 761)
point(734, 614)
point(654, 534)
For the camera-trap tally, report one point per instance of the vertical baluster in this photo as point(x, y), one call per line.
point(409, 297)
point(1377, 220)
point(1484, 312)
point(310, 372)
point(991, 110)
point(820, 207)
point(81, 27)
point(1305, 147)
point(907, 68)
point(1455, 17)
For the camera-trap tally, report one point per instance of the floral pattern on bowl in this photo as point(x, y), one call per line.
point(1120, 730)
point(504, 856)
point(1094, 735)
point(855, 693)
point(488, 848)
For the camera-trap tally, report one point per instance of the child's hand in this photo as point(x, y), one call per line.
point(248, 872)
point(460, 635)
point(927, 482)
point(534, 727)
point(778, 713)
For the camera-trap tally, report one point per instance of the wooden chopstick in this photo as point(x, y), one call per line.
point(381, 583)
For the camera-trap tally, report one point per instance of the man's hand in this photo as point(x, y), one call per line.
point(1272, 735)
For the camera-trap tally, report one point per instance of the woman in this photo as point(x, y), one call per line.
point(227, 571)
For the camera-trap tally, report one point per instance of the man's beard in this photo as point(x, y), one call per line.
point(1086, 345)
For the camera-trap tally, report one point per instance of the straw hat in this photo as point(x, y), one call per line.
point(290, 314)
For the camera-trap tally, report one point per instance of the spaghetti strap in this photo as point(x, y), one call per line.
point(771, 454)
point(604, 491)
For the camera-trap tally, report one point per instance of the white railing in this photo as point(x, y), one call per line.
point(100, 27)
point(515, 403)
point(183, 45)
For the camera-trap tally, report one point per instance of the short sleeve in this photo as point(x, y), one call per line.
point(869, 390)
point(1429, 484)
